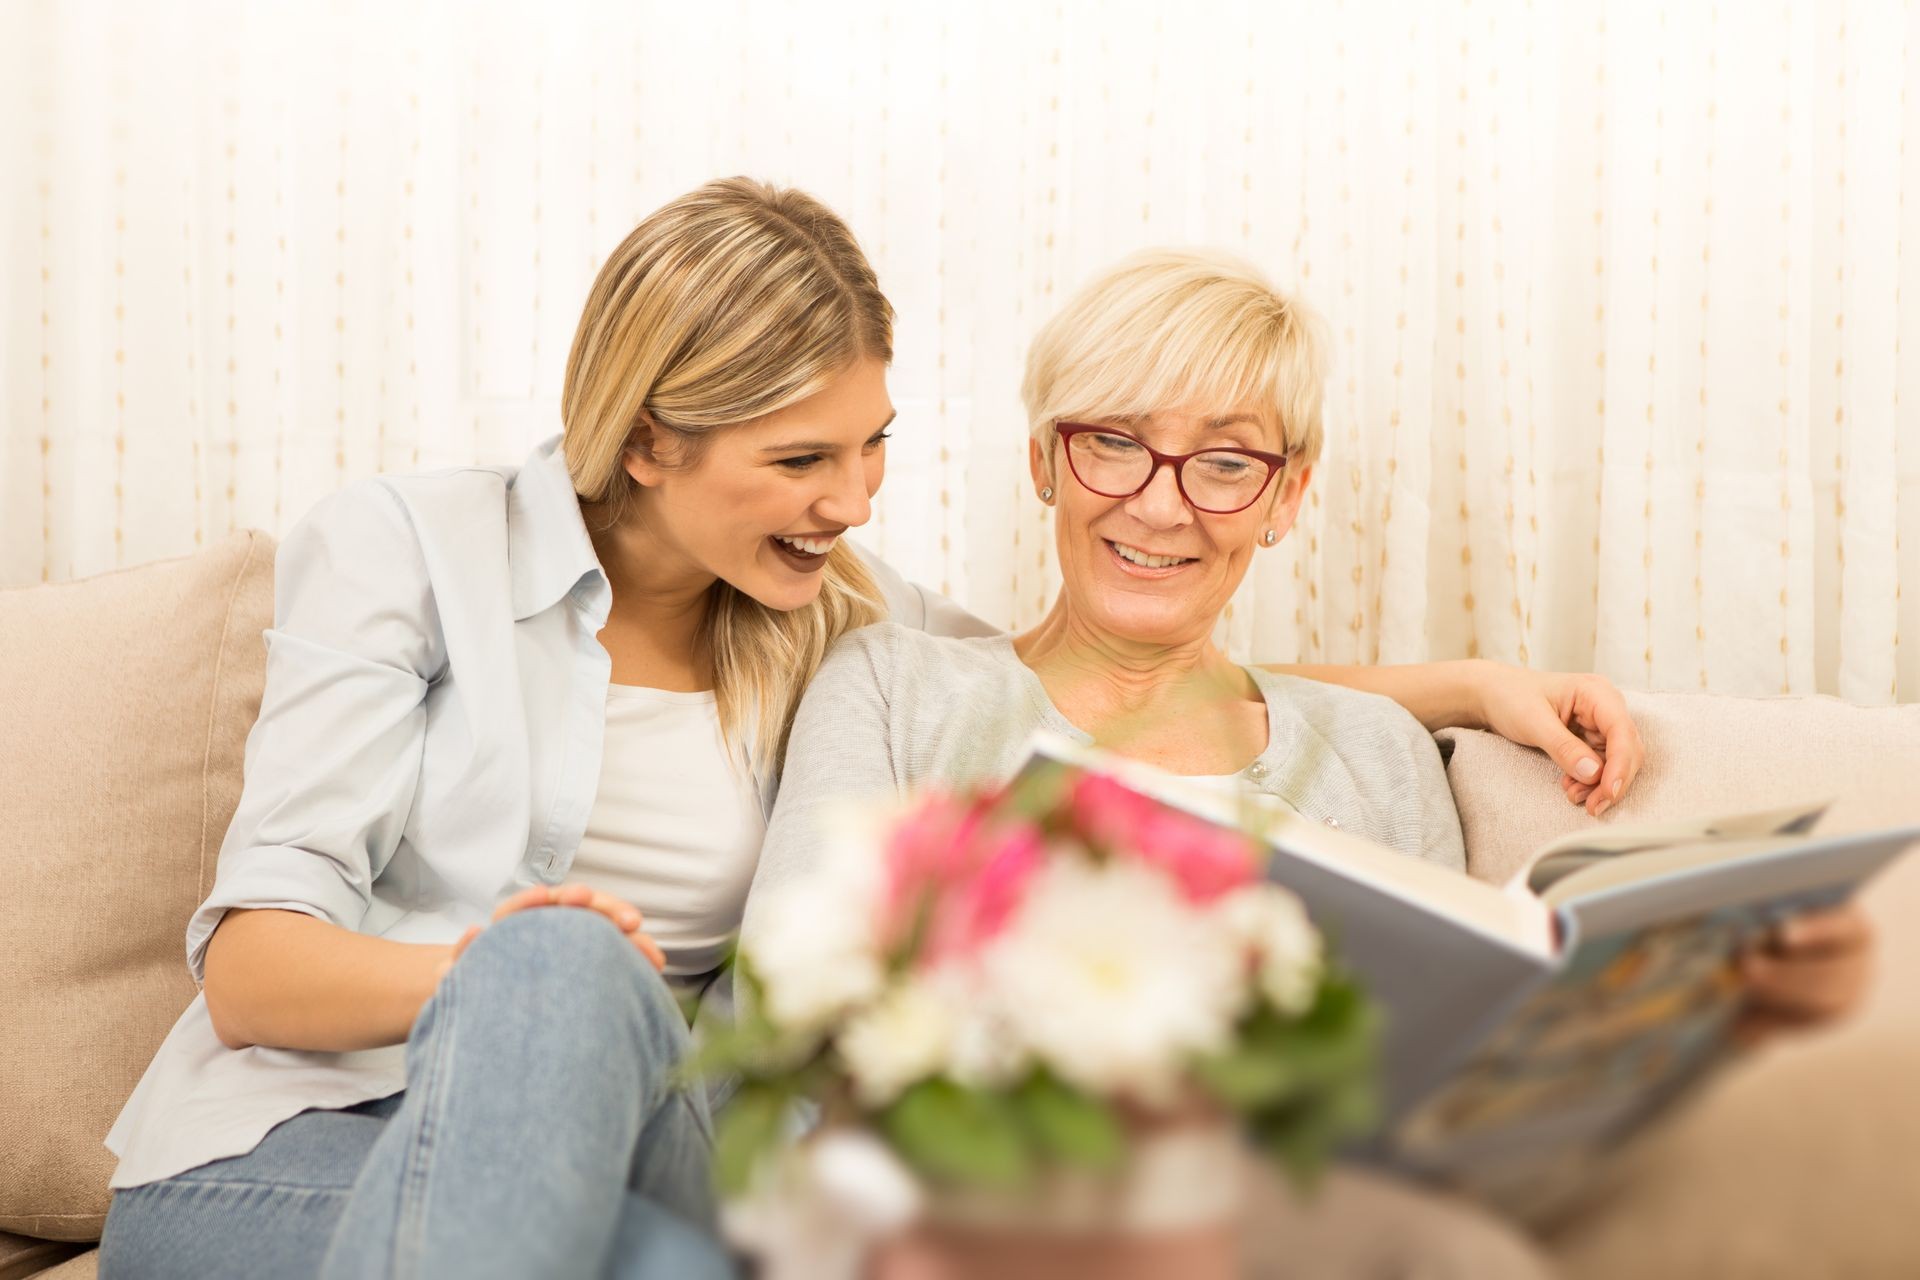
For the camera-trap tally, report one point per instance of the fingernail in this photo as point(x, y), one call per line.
point(1603, 807)
point(1587, 769)
point(1617, 784)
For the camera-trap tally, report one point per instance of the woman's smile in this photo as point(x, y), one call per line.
point(804, 552)
point(1139, 562)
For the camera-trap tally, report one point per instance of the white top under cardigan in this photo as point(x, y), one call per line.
point(676, 824)
point(429, 742)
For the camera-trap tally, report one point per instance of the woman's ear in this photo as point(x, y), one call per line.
point(1286, 499)
point(640, 455)
point(1040, 466)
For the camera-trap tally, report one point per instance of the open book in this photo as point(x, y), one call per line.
point(1531, 1026)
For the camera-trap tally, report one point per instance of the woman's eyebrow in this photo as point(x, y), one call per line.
point(821, 446)
point(1227, 420)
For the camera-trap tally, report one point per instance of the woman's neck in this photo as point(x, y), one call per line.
point(659, 608)
point(1094, 675)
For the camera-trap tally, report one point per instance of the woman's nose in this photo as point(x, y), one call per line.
point(847, 502)
point(1160, 504)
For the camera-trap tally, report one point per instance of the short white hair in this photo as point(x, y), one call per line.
point(1180, 329)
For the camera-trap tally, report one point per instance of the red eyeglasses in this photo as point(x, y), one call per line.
point(1114, 464)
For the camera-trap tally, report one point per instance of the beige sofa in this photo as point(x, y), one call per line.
point(126, 701)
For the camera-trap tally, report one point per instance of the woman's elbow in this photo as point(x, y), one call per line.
point(221, 1013)
point(218, 989)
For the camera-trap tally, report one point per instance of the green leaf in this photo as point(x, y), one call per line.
point(1069, 1125)
point(746, 1129)
point(959, 1135)
point(1249, 1077)
point(1037, 793)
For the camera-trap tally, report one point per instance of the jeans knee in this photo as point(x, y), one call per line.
point(570, 962)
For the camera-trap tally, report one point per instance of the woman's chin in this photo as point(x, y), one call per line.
point(1164, 623)
point(778, 589)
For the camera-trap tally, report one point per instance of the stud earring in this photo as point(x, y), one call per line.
point(1268, 538)
point(1046, 493)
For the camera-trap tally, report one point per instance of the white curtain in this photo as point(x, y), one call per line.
point(1623, 316)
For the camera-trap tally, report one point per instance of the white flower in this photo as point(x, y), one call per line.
point(861, 1178)
point(985, 1054)
point(1270, 920)
point(815, 1210)
point(898, 1040)
point(1109, 977)
point(812, 939)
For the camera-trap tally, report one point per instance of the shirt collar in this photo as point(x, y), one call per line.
point(547, 544)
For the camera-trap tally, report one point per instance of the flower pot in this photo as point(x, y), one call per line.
point(1170, 1212)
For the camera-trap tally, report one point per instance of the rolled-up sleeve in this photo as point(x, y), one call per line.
point(333, 762)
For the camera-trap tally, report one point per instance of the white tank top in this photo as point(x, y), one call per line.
point(676, 823)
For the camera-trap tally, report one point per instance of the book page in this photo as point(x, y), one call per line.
point(1582, 849)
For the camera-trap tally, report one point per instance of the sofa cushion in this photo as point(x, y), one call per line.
point(1805, 1158)
point(21, 1257)
point(127, 700)
point(83, 1266)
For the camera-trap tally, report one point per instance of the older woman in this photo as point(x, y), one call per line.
point(1174, 408)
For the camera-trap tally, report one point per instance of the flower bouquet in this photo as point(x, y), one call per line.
point(1030, 1018)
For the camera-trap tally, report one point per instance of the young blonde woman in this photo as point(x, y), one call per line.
point(509, 782)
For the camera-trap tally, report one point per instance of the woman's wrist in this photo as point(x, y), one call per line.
point(1477, 678)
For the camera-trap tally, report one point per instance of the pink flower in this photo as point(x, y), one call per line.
point(1106, 812)
point(955, 872)
point(976, 908)
point(957, 868)
point(1206, 861)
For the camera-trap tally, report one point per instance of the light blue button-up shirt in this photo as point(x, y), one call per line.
point(428, 743)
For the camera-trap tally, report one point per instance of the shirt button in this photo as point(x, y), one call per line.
point(1333, 822)
point(1256, 771)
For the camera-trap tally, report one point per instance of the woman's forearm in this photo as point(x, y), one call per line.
point(286, 980)
point(1441, 695)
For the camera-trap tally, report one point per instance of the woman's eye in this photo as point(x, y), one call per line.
point(880, 439)
point(1114, 444)
point(798, 464)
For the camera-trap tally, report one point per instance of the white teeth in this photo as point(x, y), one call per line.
point(812, 546)
point(1139, 557)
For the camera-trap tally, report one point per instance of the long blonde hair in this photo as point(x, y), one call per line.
point(732, 302)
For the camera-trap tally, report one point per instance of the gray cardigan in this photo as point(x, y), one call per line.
point(894, 708)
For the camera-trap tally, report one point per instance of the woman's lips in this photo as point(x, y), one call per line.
point(797, 558)
point(1142, 571)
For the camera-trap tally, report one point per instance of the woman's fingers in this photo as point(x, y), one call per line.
point(532, 895)
point(1602, 711)
point(571, 894)
point(624, 915)
point(1599, 712)
point(1839, 929)
point(1806, 988)
point(1816, 969)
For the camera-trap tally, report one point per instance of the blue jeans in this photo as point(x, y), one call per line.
point(539, 1135)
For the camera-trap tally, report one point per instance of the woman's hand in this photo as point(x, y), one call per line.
point(624, 915)
point(1579, 720)
point(1811, 972)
